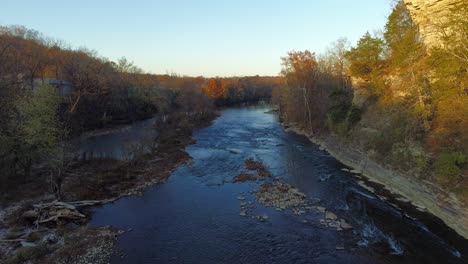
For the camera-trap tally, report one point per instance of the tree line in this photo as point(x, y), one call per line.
point(37, 119)
point(404, 103)
point(230, 91)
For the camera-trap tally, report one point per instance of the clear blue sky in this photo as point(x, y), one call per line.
point(204, 37)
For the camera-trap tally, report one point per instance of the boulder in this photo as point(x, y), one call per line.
point(330, 215)
point(345, 225)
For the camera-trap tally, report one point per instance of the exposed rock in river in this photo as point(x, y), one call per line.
point(253, 165)
point(330, 215)
point(280, 195)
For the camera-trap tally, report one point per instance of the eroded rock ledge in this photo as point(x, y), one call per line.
point(422, 194)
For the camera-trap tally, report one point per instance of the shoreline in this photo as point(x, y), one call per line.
point(51, 243)
point(423, 195)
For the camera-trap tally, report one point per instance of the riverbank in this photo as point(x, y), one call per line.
point(51, 236)
point(224, 208)
point(424, 195)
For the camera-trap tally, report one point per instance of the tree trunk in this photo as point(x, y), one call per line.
point(75, 104)
point(307, 107)
point(56, 183)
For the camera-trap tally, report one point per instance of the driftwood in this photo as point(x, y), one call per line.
point(56, 211)
point(12, 240)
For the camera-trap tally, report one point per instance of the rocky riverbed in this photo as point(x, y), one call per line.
point(299, 205)
point(311, 208)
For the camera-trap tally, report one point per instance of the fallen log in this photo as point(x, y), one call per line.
point(70, 216)
point(12, 240)
point(56, 211)
point(90, 202)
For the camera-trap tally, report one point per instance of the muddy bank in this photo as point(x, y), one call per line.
point(424, 195)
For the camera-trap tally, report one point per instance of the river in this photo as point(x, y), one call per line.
point(194, 216)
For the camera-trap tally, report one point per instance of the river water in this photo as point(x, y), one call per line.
point(194, 216)
point(116, 143)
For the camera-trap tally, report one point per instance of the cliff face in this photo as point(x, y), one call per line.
point(424, 195)
point(428, 14)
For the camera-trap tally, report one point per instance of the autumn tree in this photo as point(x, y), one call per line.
point(215, 88)
point(35, 60)
point(123, 65)
point(300, 72)
point(93, 80)
point(191, 99)
point(336, 63)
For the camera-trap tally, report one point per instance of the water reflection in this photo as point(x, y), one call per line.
point(120, 144)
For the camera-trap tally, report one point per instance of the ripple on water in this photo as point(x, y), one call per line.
point(194, 217)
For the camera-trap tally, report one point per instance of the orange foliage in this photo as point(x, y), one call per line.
point(451, 124)
point(50, 71)
point(300, 65)
point(216, 88)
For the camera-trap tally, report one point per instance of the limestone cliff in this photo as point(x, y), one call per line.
point(423, 194)
point(428, 14)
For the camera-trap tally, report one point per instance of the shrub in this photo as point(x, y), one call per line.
point(354, 116)
point(422, 162)
point(336, 122)
point(338, 113)
point(449, 167)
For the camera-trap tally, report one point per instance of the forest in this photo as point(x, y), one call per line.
point(391, 95)
point(38, 117)
point(402, 102)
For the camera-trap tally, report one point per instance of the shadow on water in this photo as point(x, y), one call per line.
point(116, 144)
point(194, 217)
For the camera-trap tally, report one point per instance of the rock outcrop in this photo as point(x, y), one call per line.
point(424, 195)
point(428, 14)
